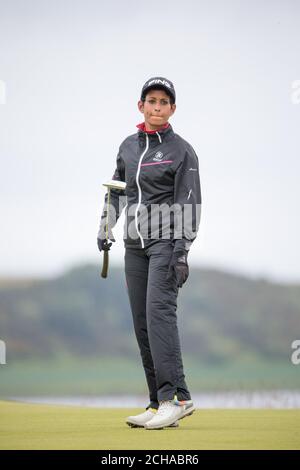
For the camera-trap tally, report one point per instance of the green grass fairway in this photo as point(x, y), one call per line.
point(29, 426)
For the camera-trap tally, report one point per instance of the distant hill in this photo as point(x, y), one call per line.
point(221, 316)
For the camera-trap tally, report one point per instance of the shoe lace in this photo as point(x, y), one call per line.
point(163, 405)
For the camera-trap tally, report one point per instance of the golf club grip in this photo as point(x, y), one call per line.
point(105, 264)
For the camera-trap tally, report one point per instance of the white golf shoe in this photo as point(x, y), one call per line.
point(169, 412)
point(139, 421)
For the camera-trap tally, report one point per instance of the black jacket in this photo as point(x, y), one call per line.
point(159, 168)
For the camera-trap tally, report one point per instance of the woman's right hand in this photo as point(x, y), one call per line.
point(103, 244)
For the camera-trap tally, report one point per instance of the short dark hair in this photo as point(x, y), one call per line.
point(157, 87)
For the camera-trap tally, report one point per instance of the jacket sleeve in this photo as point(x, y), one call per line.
point(112, 211)
point(187, 201)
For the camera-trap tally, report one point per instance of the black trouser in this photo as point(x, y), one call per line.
point(153, 301)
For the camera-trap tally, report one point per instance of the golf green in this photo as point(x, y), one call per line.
point(30, 426)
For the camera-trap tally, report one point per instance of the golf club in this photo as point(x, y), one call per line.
point(112, 184)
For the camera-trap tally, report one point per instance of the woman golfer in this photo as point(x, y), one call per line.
point(163, 201)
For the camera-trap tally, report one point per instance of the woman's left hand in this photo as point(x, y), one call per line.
point(179, 267)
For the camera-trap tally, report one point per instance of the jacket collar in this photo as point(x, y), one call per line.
point(159, 135)
point(142, 127)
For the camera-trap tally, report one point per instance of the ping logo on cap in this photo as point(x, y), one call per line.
point(157, 81)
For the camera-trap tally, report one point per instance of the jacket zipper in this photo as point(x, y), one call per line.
point(139, 190)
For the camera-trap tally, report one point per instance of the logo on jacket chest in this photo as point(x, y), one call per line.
point(158, 157)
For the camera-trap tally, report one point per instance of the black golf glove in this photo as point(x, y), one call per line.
point(104, 244)
point(179, 267)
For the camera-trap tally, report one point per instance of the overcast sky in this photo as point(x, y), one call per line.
point(70, 78)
